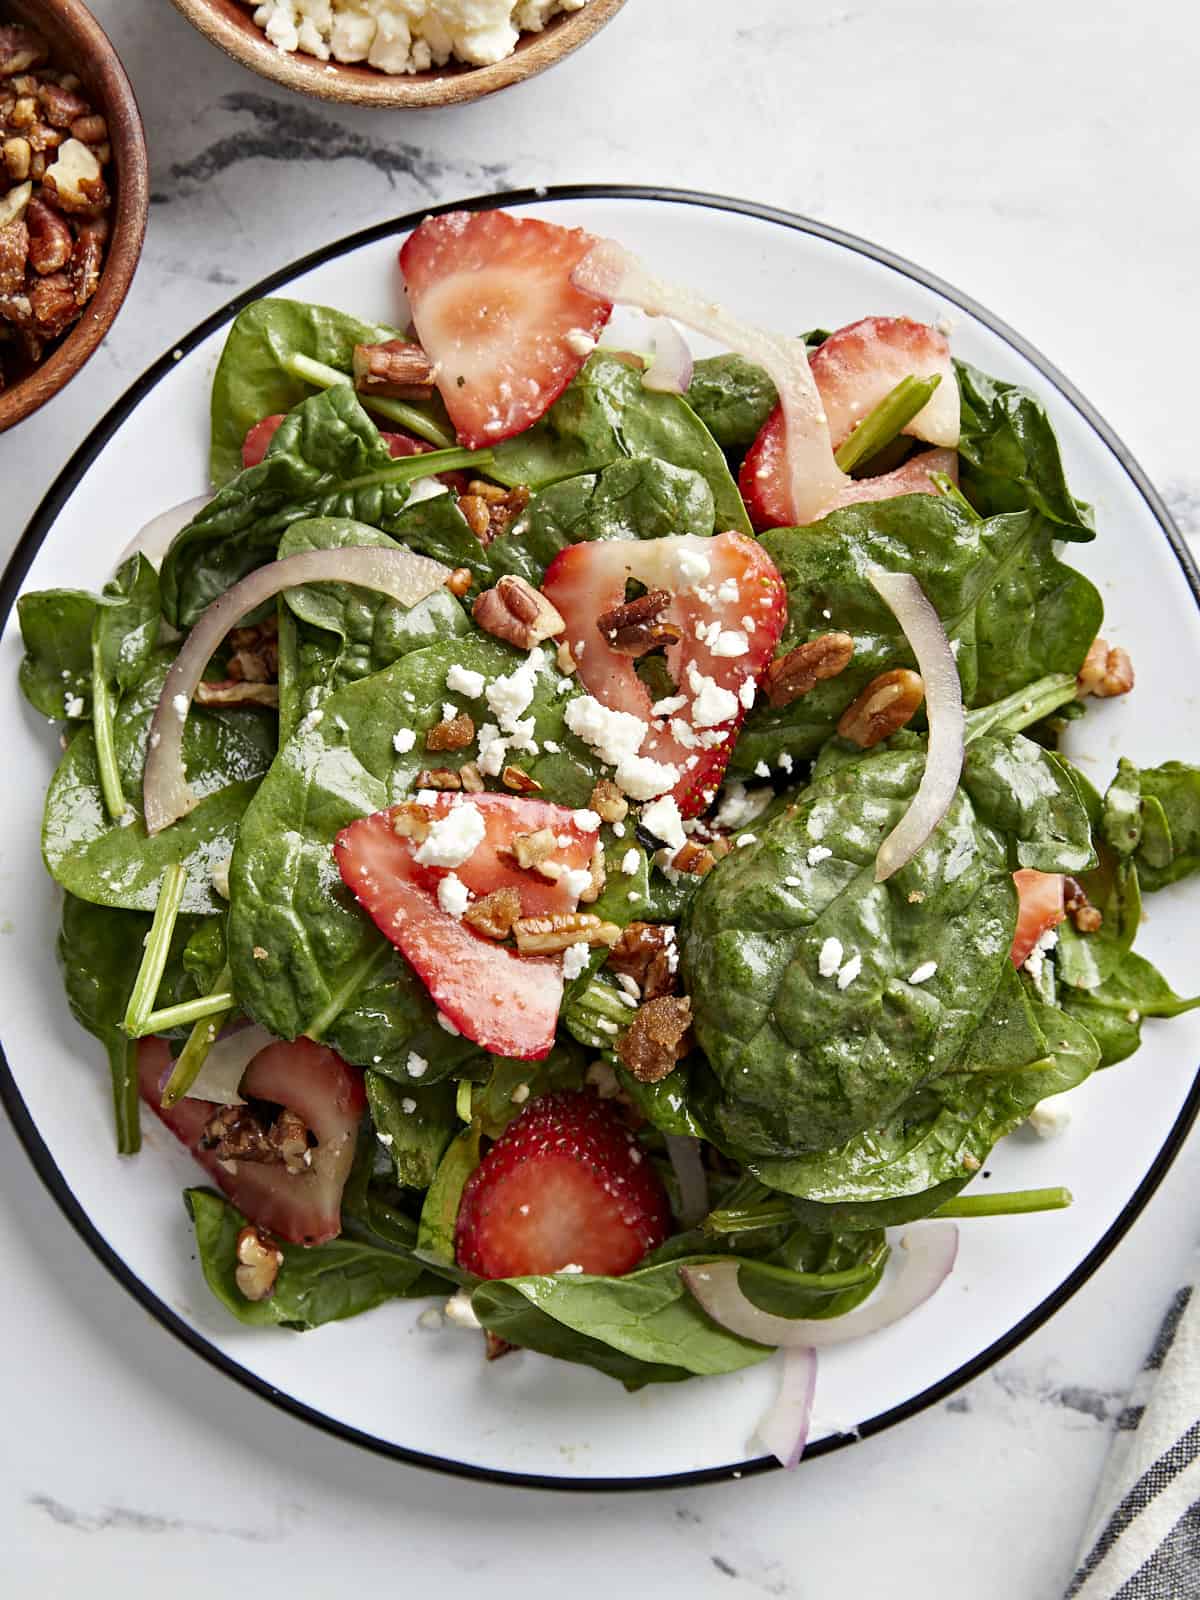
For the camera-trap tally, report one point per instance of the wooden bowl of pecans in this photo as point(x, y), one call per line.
point(74, 192)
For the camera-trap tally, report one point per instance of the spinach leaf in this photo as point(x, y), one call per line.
point(99, 953)
point(733, 399)
point(1152, 814)
point(316, 1284)
point(439, 1214)
point(327, 459)
point(225, 752)
point(125, 624)
point(1113, 1010)
point(251, 380)
point(981, 577)
point(1010, 454)
point(799, 969)
point(493, 1104)
point(414, 1126)
point(322, 968)
point(605, 414)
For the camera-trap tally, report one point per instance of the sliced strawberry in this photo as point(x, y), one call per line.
point(860, 365)
point(494, 308)
point(1040, 908)
point(565, 1185)
point(254, 445)
point(506, 1002)
point(305, 1207)
point(725, 593)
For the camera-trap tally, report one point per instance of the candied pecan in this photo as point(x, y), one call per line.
point(469, 777)
point(54, 304)
point(494, 915)
point(411, 821)
point(42, 138)
point(657, 1039)
point(515, 612)
point(61, 107)
point(884, 706)
point(1106, 671)
point(14, 252)
point(494, 1346)
point(86, 261)
point(636, 628)
point(396, 368)
point(259, 1259)
point(595, 887)
point(236, 692)
point(801, 669)
point(75, 182)
point(607, 801)
point(490, 510)
point(23, 113)
point(13, 204)
point(459, 581)
point(540, 936)
point(438, 778)
point(1086, 917)
point(90, 129)
point(254, 652)
point(643, 953)
point(531, 849)
point(243, 1133)
point(695, 858)
point(455, 734)
point(564, 660)
point(519, 781)
point(16, 153)
point(20, 49)
point(51, 243)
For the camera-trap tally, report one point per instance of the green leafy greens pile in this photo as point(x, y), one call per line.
point(829, 1109)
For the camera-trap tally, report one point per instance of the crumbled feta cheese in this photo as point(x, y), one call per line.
point(576, 879)
point(668, 707)
point(923, 973)
point(683, 733)
point(579, 341)
point(453, 895)
point(416, 1066)
point(613, 735)
point(641, 778)
point(747, 692)
point(493, 750)
point(690, 567)
point(817, 854)
point(571, 1266)
point(314, 719)
point(575, 958)
point(729, 593)
point(1050, 1117)
point(507, 697)
point(461, 680)
point(403, 741)
point(443, 1021)
point(551, 747)
point(849, 972)
point(630, 862)
point(518, 1097)
point(761, 769)
point(453, 838)
point(785, 762)
point(743, 839)
point(830, 958)
point(1036, 958)
point(586, 821)
point(662, 819)
point(729, 642)
point(408, 1105)
point(740, 805)
point(712, 704)
point(74, 705)
point(449, 711)
point(459, 1312)
point(794, 883)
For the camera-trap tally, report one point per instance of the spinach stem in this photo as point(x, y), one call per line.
point(200, 1041)
point(289, 671)
point(408, 468)
point(154, 958)
point(102, 727)
point(890, 417)
point(122, 1061)
point(322, 376)
point(1023, 707)
point(749, 1219)
point(462, 1099)
point(205, 1005)
point(1010, 1204)
point(947, 487)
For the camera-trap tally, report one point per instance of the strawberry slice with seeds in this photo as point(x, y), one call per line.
point(494, 308)
point(309, 1079)
point(565, 1185)
point(1041, 906)
point(504, 1001)
point(728, 604)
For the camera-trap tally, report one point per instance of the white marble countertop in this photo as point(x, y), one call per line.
point(1039, 157)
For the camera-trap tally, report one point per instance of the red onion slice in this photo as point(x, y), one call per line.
point(156, 538)
point(670, 369)
point(403, 576)
point(931, 1252)
point(784, 1429)
point(220, 1076)
point(609, 272)
point(944, 709)
point(688, 1167)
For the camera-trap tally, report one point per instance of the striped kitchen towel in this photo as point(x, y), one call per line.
point(1144, 1537)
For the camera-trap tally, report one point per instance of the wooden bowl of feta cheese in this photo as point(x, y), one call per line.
point(397, 53)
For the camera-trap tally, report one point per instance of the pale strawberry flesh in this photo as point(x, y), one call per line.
point(1041, 907)
point(860, 365)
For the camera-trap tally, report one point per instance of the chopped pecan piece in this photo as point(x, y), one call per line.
point(607, 801)
point(564, 660)
point(1086, 917)
point(243, 1133)
point(455, 734)
point(636, 628)
point(695, 858)
point(490, 510)
point(494, 915)
point(459, 581)
point(494, 1346)
point(254, 652)
point(470, 778)
point(51, 243)
point(259, 1259)
point(61, 107)
point(20, 49)
point(397, 369)
point(515, 612)
point(53, 302)
point(90, 129)
point(438, 778)
point(884, 707)
point(16, 153)
point(541, 936)
point(86, 260)
point(531, 849)
point(657, 1039)
point(519, 781)
point(801, 669)
point(237, 692)
point(411, 821)
point(595, 887)
point(76, 182)
point(14, 252)
point(13, 204)
point(643, 953)
point(1106, 671)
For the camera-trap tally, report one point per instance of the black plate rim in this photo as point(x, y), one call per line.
point(35, 1147)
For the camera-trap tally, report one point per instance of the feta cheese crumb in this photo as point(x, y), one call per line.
point(747, 693)
point(74, 705)
point(830, 958)
point(743, 839)
point(453, 838)
point(453, 895)
point(761, 770)
point(575, 958)
point(923, 973)
point(849, 972)
point(403, 741)
point(576, 879)
point(579, 341)
point(508, 696)
point(416, 1066)
point(668, 707)
point(664, 822)
point(1050, 1117)
point(443, 1021)
point(728, 592)
point(586, 821)
point(785, 762)
point(690, 567)
point(1035, 960)
point(730, 642)
point(740, 805)
point(817, 854)
point(641, 778)
point(459, 1312)
point(520, 1094)
point(630, 862)
point(408, 1105)
point(571, 1266)
point(711, 704)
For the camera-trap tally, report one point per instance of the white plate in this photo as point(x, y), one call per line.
point(382, 1381)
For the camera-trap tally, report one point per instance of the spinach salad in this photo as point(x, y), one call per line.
point(581, 831)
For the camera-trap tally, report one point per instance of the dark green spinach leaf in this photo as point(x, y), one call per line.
point(733, 399)
point(1153, 815)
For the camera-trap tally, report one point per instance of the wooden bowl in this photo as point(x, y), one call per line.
point(80, 45)
point(231, 25)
